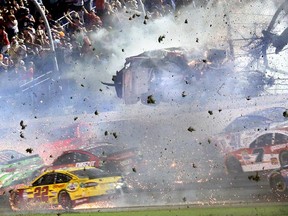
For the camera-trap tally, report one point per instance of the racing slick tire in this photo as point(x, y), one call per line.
point(283, 157)
point(64, 200)
point(233, 165)
point(278, 184)
point(15, 201)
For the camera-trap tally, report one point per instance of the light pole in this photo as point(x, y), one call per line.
point(56, 68)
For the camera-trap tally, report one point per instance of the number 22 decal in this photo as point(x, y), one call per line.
point(41, 193)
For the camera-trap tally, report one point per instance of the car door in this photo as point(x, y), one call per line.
point(257, 155)
point(41, 190)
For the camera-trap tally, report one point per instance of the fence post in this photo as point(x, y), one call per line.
point(56, 68)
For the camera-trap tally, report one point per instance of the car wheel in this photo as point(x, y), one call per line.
point(233, 165)
point(15, 201)
point(64, 200)
point(278, 184)
point(283, 157)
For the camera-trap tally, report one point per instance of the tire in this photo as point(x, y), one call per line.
point(15, 202)
point(283, 157)
point(233, 165)
point(278, 184)
point(64, 200)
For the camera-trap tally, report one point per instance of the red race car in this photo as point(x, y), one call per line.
point(102, 155)
point(65, 138)
point(268, 151)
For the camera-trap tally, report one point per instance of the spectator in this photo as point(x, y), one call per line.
point(88, 5)
point(3, 65)
point(4, 41)
point(91, 20)
point(74, 23)
point(12, 26)
point(17, 51)
point(24, 18)
point(100, 7)
point(30, 71)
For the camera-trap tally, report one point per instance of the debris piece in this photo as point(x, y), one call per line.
point(191, 129)
point(29, 150)
point(115, 135)
point(22, 125)
point(134, 169)
point(285, 113)
point(186, 21)
point(210, 112)
point(160, 39)
point(255, 177)
point(150, 100)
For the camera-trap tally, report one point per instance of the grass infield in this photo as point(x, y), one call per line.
point(249, 210)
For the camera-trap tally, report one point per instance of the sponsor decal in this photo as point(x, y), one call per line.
point(274, 161)
point(58, 186)
point(245, 155)
point(277, 147)
point(72, 186)
point(85, 164)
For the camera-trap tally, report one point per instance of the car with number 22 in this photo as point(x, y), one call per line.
point(67, 188)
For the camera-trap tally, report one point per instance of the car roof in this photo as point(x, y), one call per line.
point(246, 121)
point(272, 113)
point(8, 155)
point(70, 169)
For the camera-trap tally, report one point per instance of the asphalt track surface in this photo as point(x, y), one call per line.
point(162, 136)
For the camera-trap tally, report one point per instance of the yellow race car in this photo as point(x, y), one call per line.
point(67, 188)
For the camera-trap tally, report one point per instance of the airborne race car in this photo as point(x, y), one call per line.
point(180, 75)
point(268, 151)
point(67, 188)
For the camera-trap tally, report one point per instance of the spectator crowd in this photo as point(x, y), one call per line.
point(25, 47)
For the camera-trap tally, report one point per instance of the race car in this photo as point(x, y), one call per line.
point(19, 169)
point(67, 188)
point(64, 138)
point(181, 75)
point(268, 151)
point(278, 181)
point(104, 155)
point(9, 155)
point(238, 132)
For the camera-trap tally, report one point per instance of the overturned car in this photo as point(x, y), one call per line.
point(180, 75)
